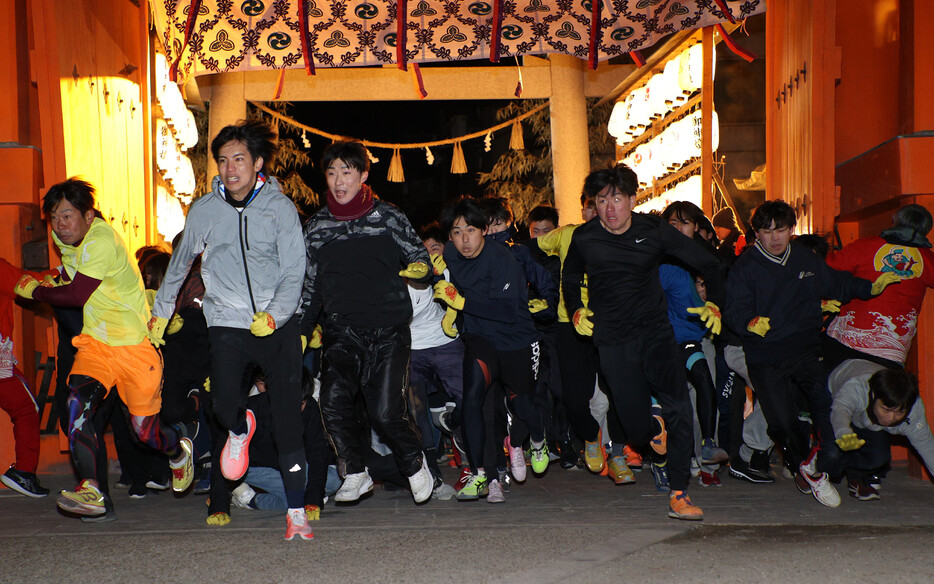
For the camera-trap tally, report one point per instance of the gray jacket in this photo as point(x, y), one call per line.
point(253, 258)
point(849, 384)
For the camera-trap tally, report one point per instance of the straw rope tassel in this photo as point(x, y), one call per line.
point(516, 141)
point(395, 173)
point(458, 166)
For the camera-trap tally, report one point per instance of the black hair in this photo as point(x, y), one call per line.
point(814, 242)
point(895, 388)
point(586, 200)
point(543, 213)
point(433, 231)
point(74, 190)
point(683, 211)
point(146, 251)
point(704, 225)
point(260, 139)
point(777, 211)
point(496, 208)
point(620, 177)
point(153, 268)
point(914, 217)
point(466, 207)
point(352, 152)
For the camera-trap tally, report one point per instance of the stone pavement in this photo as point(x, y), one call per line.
point(568, 527)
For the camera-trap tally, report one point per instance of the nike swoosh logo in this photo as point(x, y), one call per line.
point(640, 240)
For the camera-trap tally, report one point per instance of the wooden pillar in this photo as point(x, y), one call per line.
point(228, 106)
point(706, 122)
point(570, 150)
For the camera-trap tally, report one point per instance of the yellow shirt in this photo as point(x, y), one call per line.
point(116, 313)
point(557, 243)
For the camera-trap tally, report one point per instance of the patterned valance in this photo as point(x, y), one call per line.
point(244, 35)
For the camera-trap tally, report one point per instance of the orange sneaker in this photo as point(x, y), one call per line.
point(297, 525)
point(680, 507)
point(659, 442)
point(633, 458)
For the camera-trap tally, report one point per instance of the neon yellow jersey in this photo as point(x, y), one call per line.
point(557, 243)
point(116, 313)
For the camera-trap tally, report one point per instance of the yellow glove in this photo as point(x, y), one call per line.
point(759, 325)
point(263, 324)
point(582, 323)
point(156, 327)
point(415, 270)
point(849, 442)
point(25, 286)
point(315, 342)
point(218, 519)
point(537, 305)
point(207, 384)
point(709, 313)
point(447, 323)
point(304, 343)
point(830, 306)
point(175, 325)
point(312, 512)
point(883, 281)
point(50, 281)
point(447, 293)
point(437, 260)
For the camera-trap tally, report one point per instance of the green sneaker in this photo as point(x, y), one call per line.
point(540, 458)
point(85, 500)
point(475, 487)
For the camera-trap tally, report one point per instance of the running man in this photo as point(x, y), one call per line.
point(113, 347)
point(627, 315)
point(252, 263)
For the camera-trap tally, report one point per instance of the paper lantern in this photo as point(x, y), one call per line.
point(655, 97)
point(185, 179)
point(618, 125)
point(672, 92)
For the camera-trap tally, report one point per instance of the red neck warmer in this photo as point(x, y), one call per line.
point(356, 208)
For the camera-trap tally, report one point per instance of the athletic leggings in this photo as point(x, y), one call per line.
point(517, 372)
point(698, 373)
point(84, 398)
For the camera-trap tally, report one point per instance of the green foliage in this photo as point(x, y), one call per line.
point(525, 177)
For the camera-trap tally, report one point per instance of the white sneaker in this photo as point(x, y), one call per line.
point(516, 461)
point(823, 491)
point(422, 483)
point(354, 486)
point(496, 494)
point(242, 496)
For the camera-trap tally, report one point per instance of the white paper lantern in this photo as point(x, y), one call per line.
point(618, 125)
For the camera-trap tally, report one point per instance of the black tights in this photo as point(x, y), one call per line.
point(698, 373)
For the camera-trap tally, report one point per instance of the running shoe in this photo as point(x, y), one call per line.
point(218, 519)
point(297, 525)
point(594, 454)
point(85, 500)
point(659, 442)
point(633, 458)
point(354, 486)
point(709, 479)
point(242, 496)
point(475, 487)
point(740, 469)
point(24, 483)
point(540, 458)
point(421, 483)
point(862, 491)
point(312, 512)
point(619, 471)
point(235, 457)
point(158, 484)
point(660, 474)
point(713, 454)
point(464, 478)
point(570, 458)
point(823, 491)
point(183, 470)
point(680, 507)
point(109, 514)
point(138, 491)
point(874, 481)
point(802, 485)
point(495, 494)
point(516, 460)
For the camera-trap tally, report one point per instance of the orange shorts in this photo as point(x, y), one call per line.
point(136, 370)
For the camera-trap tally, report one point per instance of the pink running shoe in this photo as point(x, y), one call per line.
point(297, 524)
point(235, 457)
